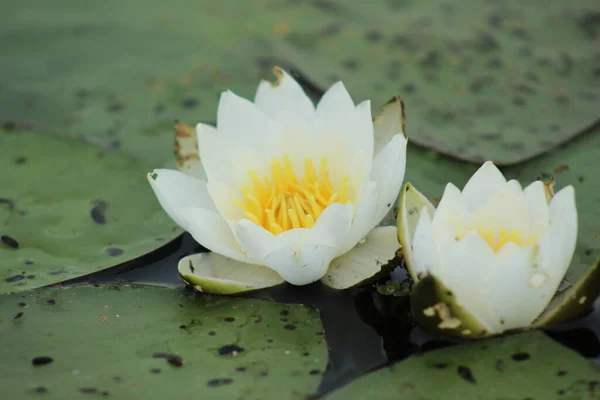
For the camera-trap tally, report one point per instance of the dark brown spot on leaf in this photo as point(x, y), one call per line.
point(230, 350)
point(114, 251)
point(41, 360)
point(171, 358)
point(14, 278)
point(521, 356)
point(465, 373)
point(219, 382)
point(9, 241)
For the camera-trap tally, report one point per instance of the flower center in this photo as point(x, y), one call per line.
point(498, 239)
point(284, 201)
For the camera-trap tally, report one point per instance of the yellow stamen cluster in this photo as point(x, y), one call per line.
point(503, 236)
point(283, 201)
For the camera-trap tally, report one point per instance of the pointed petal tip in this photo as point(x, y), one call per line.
point(393, 109)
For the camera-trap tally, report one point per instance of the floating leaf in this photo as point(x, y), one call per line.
point(472, 73)
point(68, 209)
point(156, 343)
point(529, 365)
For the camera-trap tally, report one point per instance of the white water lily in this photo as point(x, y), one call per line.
point(499, 252)
point(285, 190)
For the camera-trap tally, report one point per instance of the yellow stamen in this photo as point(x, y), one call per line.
point(497, 240)
point(284, 201)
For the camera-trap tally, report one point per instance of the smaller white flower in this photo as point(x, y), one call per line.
point(282, 190)
point(498, 251)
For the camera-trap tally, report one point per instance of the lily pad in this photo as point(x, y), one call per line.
point(529, 365)
point(68, 208)
point(156, 343)
point(118, 73)
point(472, 73)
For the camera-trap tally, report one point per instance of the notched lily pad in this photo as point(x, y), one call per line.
point(156, 343)
point(436, 309)
point(70, 208)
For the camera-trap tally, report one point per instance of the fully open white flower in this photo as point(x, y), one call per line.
point(495, 252)
point(285, 191)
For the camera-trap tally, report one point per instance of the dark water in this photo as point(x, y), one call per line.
point(364, 330)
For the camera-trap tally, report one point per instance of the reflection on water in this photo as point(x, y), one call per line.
point(364, 329)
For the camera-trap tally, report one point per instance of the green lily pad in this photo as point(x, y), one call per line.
point(118, 73)
point(472, 73)
point(68, 209)
point(156, 343)
point(525, 366)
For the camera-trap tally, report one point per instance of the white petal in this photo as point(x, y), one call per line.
point(364, 217)
point(301, 265)
point(388, 173)
point(285, 94)
point(483, 184)
point(215, 154)
point(411, 204)
point(211, 231)
point(557, 244)
point(335, 103)
point(451, 211)
point(223, 196)
point(363, 261)
point(344, 136)
point(423, 254)
point(362, 125)
point(329, 230)
point(506, 209)
point(537, 206)
point(514, 301)
point(242, 121)
point(468, 265)
point(388, 123)
point(176, 190)
point(213, 273)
